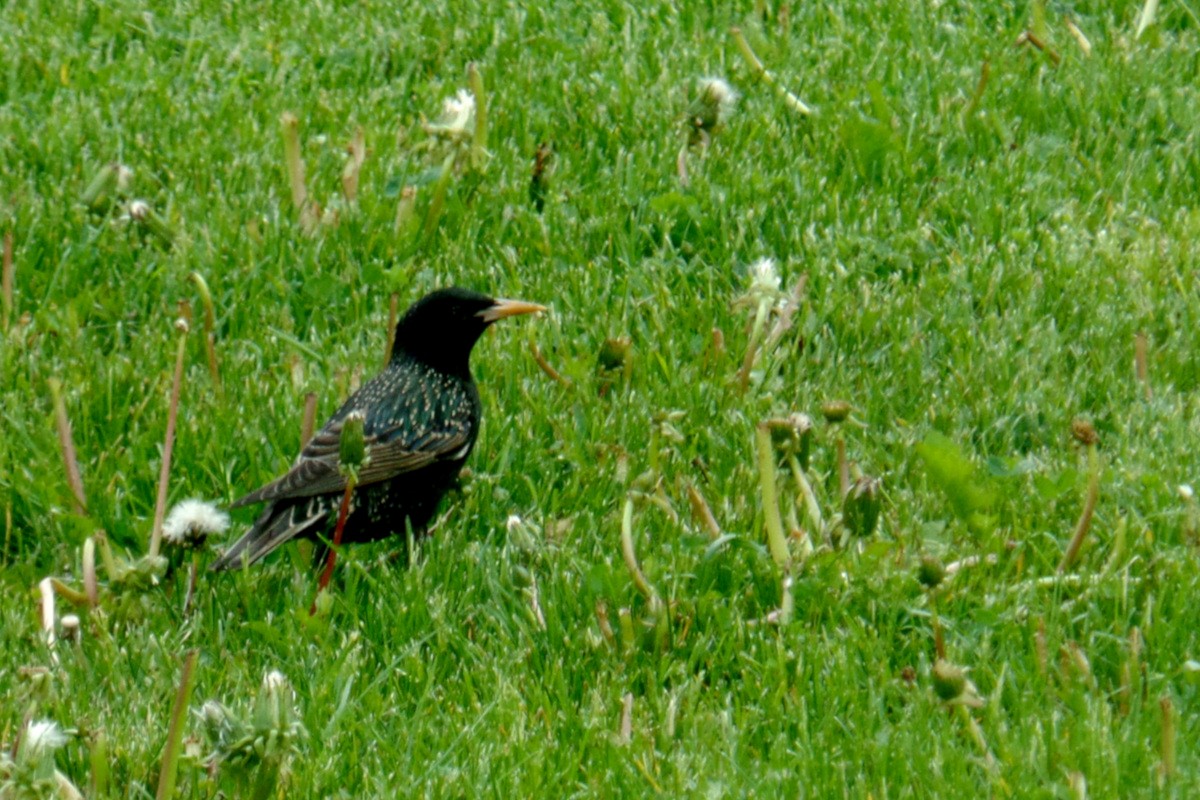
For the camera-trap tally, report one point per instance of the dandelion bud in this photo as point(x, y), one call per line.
point(835, 411)
point(793, 435)
point(949, 680)
point(143, 214)
point(613, 353)
point(352, 445)
point(931, 572)
point(273, 709)
point(860, 509)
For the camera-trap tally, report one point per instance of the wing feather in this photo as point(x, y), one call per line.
point(390, 454)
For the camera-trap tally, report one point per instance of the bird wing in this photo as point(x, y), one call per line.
point(390, 453)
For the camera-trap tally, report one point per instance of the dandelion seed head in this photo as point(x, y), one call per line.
point(42, 738)
point(191, 522)
point(718, 93)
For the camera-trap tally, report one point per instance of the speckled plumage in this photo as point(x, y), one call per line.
point(420, 420)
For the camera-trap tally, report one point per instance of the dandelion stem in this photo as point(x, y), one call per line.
point(639, 578)
point(438, 202)
point(703, 513)
point(811, 506)
point(291, 154)
point(545, 366)
point(479, 152)
point(1168, 737)
point(67, 445)
point(164, 474)
point(350, 173)
point(90, 586)
point(6, 282)
point(309, 420)
point(393, 316)
point(1089, 508)
point(776, 541)
point(752, 60)
point(174, 748)
point(210, 324)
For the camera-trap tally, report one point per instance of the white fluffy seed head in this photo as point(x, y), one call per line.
point(191, 522)
point(458, 117)
point(718, 94)
point(41, 739)
point(764, 276)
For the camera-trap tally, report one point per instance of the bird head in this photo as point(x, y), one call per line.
point(441, 328)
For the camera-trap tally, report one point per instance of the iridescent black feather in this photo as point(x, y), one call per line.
point(420, 420)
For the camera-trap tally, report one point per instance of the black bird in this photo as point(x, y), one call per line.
point(421, 417)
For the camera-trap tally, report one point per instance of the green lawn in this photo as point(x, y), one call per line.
point(980, 258)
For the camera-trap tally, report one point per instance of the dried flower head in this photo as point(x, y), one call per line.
point(1084, 432)
point(457, 121)
point(139, 210)
point(191, 522)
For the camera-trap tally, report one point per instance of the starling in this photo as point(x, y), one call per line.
point(420, 419)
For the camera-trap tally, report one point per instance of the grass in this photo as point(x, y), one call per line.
point(979, 267)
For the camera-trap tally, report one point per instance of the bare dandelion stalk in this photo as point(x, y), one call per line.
point(46, 591)
point(479, 151)
point(406, 210)
point(291, 154)
point(90, 585)
point(756, 335)
point(66, 443)
point(210, 324)
point(703, 513)
point(606, 629)
point(309, 420)
point(1141, 364)
point(1085, 433)
point(1031, 38)
point(625, 619)
point(627, 718)
point(545, 365)
point(843, 467)
point(811, 506)
point(357, 149)
point(6, 282)
point(752, 60)
point(310, 212)
point(174, 747)
point(64, 591)
point(985, 73)
point(1168, 738)
point(438, 202)
point(182, 326)
point(776, 539)
point(627, 551)
point(1081, 39)
point(393, 316)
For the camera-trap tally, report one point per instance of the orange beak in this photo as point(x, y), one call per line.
point(508, 308)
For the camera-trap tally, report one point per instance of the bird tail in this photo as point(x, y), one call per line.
point(275, 526)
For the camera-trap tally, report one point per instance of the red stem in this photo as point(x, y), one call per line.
point(327, 573)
